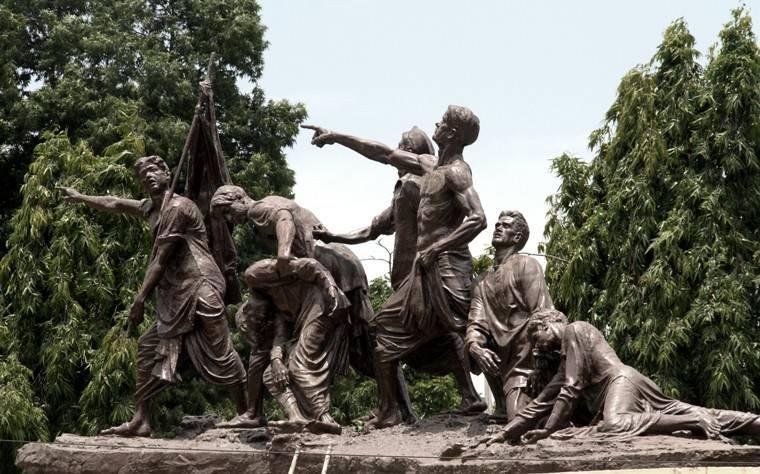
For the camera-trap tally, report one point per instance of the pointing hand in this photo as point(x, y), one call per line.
point(322, 136)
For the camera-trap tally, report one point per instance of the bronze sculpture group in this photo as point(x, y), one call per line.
point(308, 316)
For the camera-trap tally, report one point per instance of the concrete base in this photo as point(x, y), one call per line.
point(398, 449)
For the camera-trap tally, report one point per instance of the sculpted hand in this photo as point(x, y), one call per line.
point(69, 194)
point(511, 432)
point(709, 425)
point(336, 298)
point(137, 311)
point(279, 374)
point(487, 359)
point(534, 436)
point(499, 437)
point(428, 256)
point(322, 136)
point(283, 264)
point(321, 233)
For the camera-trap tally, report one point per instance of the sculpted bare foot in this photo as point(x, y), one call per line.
point(471, 407)
point(246, 420)
point(385, 420)
point(288, 426)
point(324, 425)
point(130, 428)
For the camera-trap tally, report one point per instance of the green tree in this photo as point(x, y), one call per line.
point(660, 229)
point(20, 416)
point(67, 274)
point(483, 262)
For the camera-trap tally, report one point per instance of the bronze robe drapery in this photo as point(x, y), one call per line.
point(191, 322)
point(314, 347)
point(430, 305)
point(353, 325)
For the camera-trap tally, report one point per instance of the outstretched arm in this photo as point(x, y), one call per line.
point(375, 151)
point(537, 409)
point(382, 224)
point(113, 204)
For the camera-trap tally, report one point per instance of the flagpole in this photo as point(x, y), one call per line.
point(207, 82)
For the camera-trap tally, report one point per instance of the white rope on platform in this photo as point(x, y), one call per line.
point(327, 458)
point(294, 461)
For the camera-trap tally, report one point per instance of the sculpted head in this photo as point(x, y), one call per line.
point(545, 329)
point(511, 230)
point(154, 174)
point(459, 125)
point(416, 141)
point(231, 203)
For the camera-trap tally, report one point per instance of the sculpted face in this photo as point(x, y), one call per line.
point(237, 212)
point(443, 132)
point(544, 339)
point(405, 145)
point(154, 179)
point(504, 234)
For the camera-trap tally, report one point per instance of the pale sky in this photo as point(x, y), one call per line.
point(540, 75)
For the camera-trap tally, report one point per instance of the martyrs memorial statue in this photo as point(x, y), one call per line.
point(400, 218)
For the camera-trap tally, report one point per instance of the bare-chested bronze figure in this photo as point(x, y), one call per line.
point(422, 322)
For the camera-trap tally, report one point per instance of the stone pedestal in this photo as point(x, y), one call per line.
point(398, 449)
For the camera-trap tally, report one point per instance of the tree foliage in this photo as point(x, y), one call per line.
point(483, 262)
point(20, 417)
point(660, 229)
point(67, 278)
